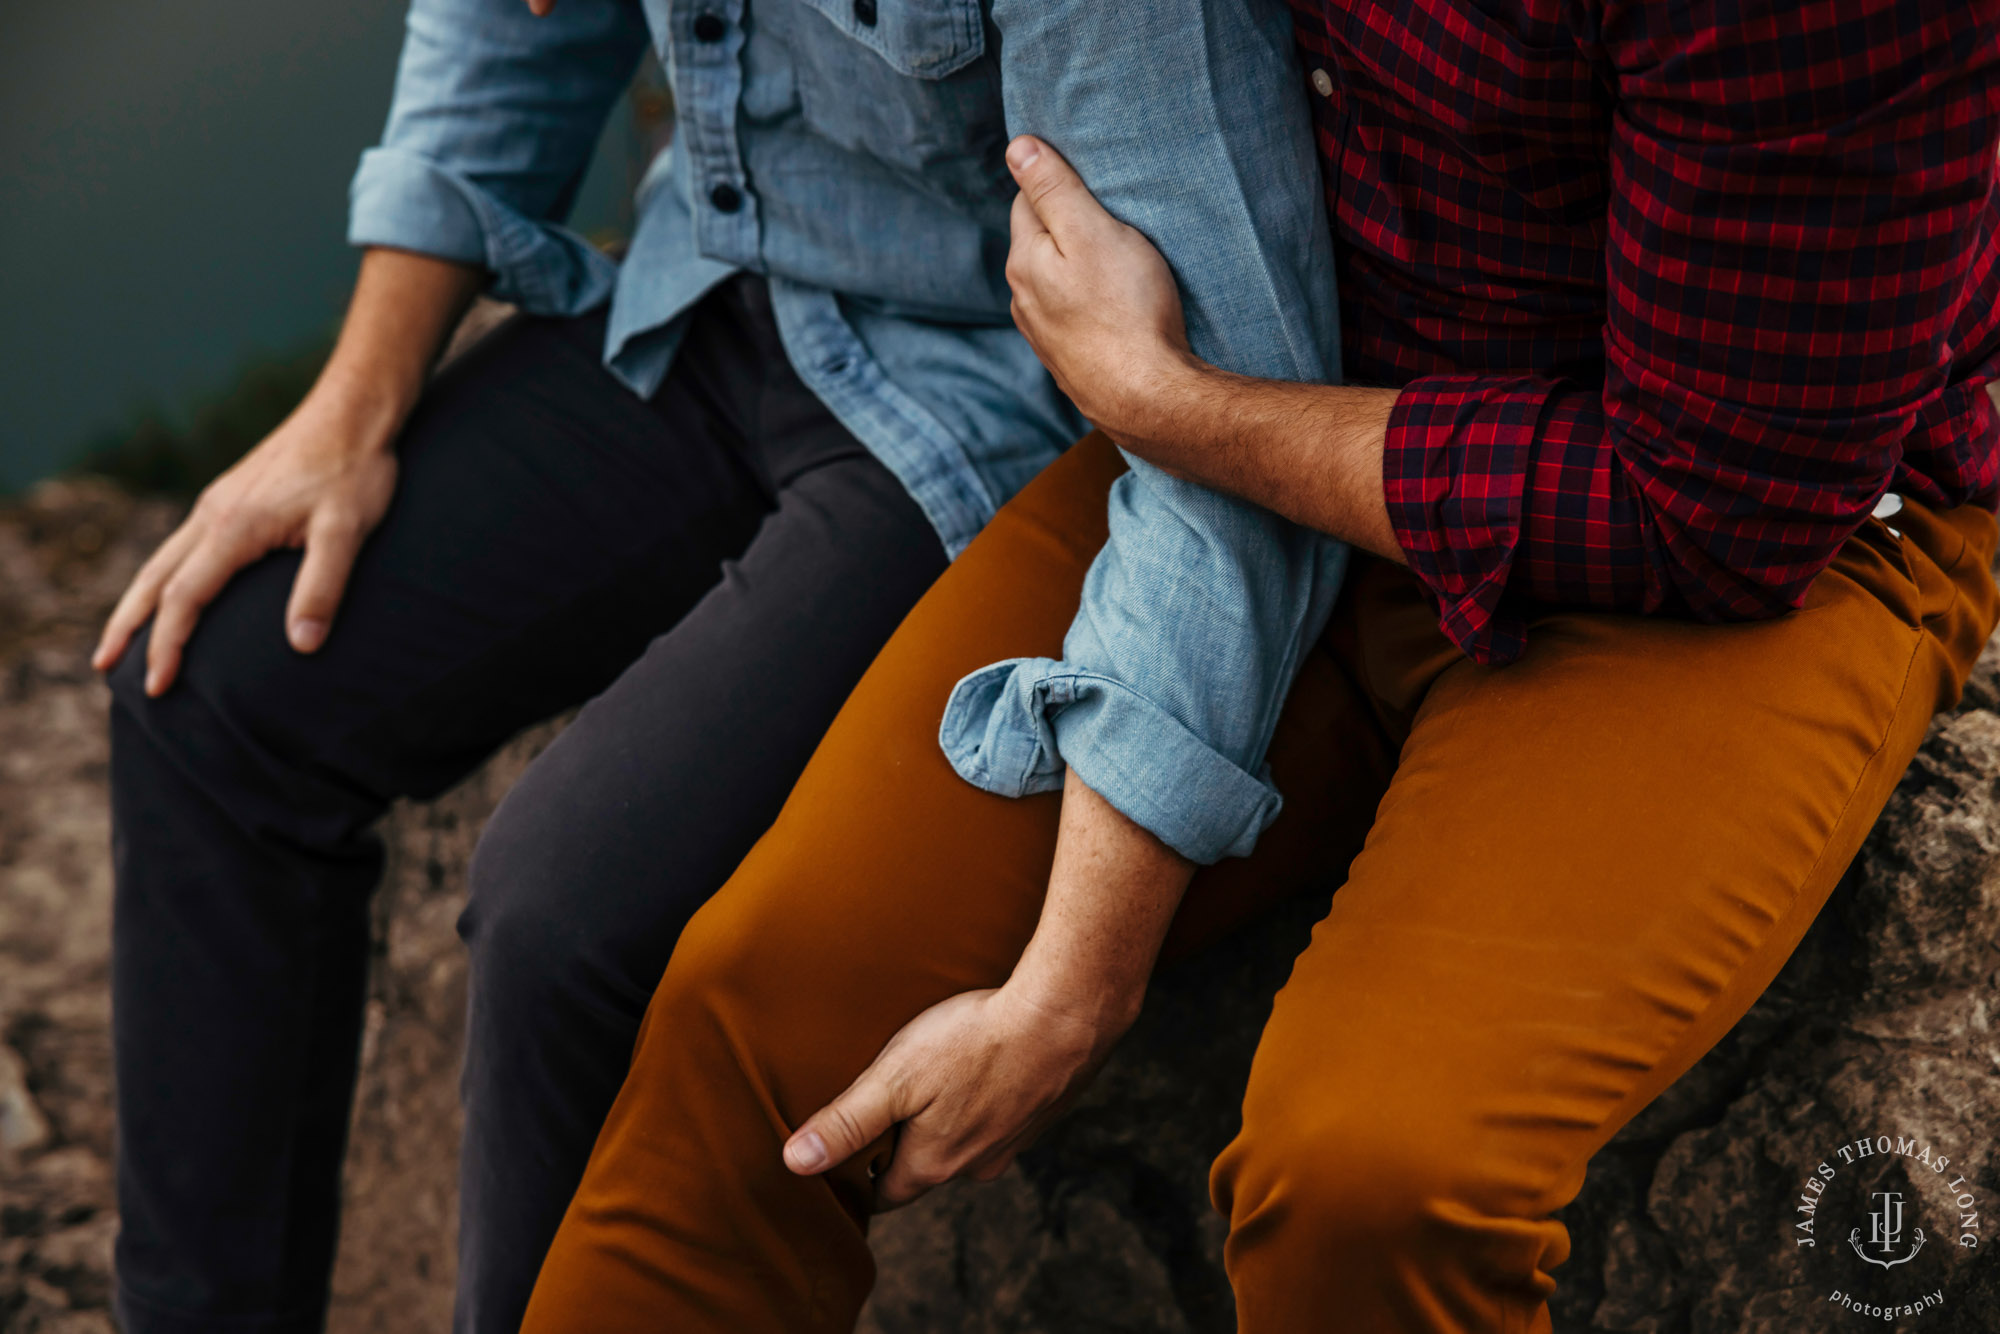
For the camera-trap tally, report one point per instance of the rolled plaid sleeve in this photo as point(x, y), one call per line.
point(1799, 224)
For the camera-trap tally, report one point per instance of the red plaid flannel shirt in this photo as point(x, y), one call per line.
point(1675, 290)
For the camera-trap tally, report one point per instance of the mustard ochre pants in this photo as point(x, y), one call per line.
point(1579, 871)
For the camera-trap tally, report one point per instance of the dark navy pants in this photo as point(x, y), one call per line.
point(711, 570)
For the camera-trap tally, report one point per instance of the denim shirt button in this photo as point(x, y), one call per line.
point(709, 27)
point(864, 13)
point(726, 198)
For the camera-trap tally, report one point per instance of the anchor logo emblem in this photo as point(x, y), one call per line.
point(1885, 1232)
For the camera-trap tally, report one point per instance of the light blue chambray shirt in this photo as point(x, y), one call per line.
point(851, 152)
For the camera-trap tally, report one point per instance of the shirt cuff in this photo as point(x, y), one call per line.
point(408, 202)
point(1010, 729)
point(1454, 475)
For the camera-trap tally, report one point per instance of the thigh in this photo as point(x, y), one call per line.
point(546, 525)
point(649, 799)
point(1586, 867)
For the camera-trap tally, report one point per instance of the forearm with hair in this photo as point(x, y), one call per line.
point(1113, 890)
point(1311, 452)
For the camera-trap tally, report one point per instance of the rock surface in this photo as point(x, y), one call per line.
point(1881, 1025)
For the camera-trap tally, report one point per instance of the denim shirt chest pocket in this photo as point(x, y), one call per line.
point(917, 90)
point(923, 39)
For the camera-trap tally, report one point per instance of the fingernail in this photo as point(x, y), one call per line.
point(807, 1152)
point(308, 633)
point(1023, 151)
point(155, 680)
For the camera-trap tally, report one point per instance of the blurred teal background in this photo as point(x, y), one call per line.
point(173, 196)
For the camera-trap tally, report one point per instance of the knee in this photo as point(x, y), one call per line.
point(559, 917)
point(127, 677)
point(524, 923)
point(701, 1028)
point(1384, 1208)
point(727, 960)
point(238, 703)
point(772, 971)
point(175, 722)
point(211, 733)
point(1367, 1176)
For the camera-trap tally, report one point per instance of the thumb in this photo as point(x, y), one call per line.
point(844, 1127)
point(1053, 189)
point(331, 547)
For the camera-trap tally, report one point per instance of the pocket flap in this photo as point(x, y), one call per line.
point(925, 39)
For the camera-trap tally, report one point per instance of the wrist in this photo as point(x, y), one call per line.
point(1161, 401)
point(364, 407)
point(1104, 1000)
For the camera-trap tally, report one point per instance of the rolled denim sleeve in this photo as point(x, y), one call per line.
point(495, 116)
point(1188, 120)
